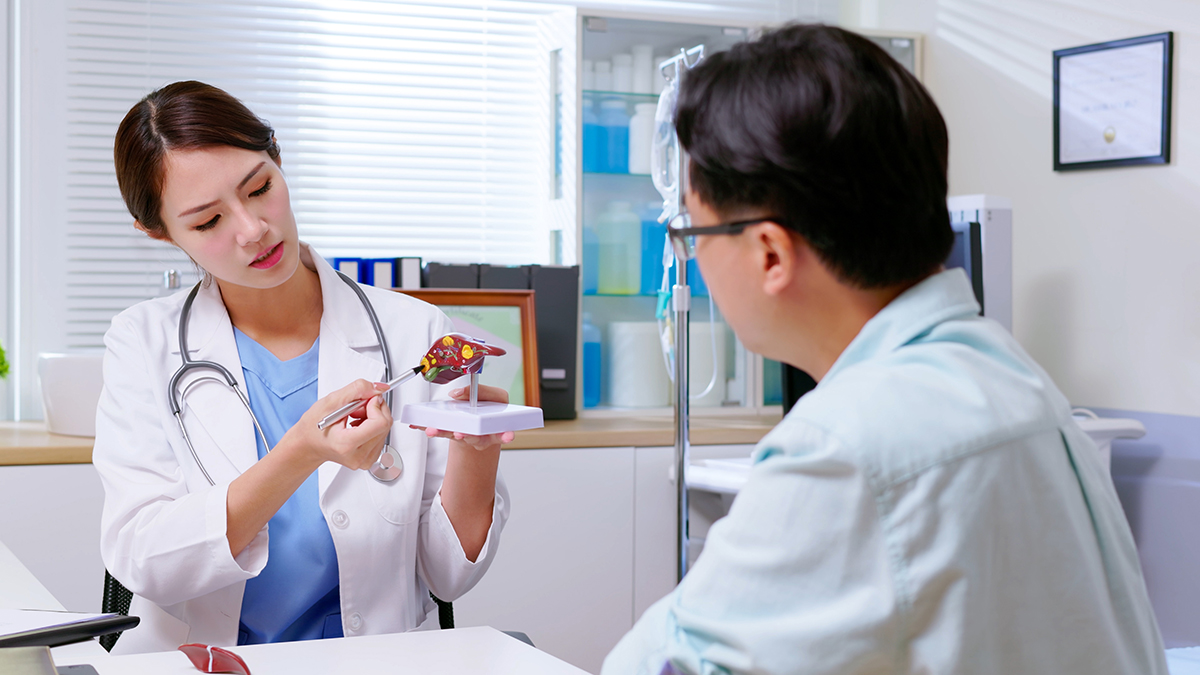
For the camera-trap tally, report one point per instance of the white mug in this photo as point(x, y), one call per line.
point(71, 385)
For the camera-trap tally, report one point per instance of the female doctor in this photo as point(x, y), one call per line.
point(226, 539)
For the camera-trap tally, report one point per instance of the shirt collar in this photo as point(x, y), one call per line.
point(940, 297)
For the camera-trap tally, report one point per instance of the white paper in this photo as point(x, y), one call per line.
point(22, 620)
point(1110, 104)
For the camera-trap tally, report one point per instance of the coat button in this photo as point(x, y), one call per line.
point(355, 621)
point(340, 520)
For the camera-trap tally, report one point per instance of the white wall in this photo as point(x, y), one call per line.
point(1105, 289)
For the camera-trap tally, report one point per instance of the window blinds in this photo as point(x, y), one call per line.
point(406, 128)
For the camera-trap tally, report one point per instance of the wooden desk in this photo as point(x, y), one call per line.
point(28, 443)
point(463, 651)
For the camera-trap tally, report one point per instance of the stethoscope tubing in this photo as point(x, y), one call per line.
point(176, 397)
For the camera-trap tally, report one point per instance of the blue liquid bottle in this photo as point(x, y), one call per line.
point(653, 238)
point(595, 139)
point(615, 121)
point(591, 363)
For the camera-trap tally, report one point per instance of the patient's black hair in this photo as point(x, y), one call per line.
point(820, 127)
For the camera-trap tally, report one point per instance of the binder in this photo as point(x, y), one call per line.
point(503, 276)
point(443, 275)
point(351, 267)
point(408, 273)
point(381, 272)
point(59, 628)
point(556, 304)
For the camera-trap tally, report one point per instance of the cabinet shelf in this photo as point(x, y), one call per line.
point(641, 98)
point(616, 173)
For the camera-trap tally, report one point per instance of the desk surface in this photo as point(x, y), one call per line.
point(25, 443)
point(465, 651)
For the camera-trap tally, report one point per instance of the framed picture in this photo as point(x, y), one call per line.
point(501, 318)
point(1112, 103)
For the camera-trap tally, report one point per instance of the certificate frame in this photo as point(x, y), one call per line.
point(454, 300)
point(1109, 91)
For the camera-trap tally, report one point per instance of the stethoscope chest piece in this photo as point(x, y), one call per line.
point(389, 466)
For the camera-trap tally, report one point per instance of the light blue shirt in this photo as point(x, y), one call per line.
point(295, 597)
point(930, 507)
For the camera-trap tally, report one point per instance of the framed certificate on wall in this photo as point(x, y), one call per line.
point(1112, 103)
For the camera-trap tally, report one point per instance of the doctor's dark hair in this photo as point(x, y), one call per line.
point(821, 128)
point(185, 115)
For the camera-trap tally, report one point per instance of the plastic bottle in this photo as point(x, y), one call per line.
point(641, 136)
point(592, 375)
point(615, 121)
point(587, 77)
point(658, 81)
point(595, 139)
point(643, 69)
point(622, 72)
point(653, 237)
point(591, 260)
point(604, 78)
point(619, 231)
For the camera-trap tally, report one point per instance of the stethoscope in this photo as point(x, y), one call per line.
point(386, 469)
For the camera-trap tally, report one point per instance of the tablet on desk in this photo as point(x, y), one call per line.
point(40, 628)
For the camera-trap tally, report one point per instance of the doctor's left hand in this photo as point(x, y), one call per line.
point(487, 442)
point(354, 443)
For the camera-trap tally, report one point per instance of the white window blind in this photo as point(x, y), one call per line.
point(406, 128)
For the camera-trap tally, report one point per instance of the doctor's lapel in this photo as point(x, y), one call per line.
point(212, 408)
point(349, 349)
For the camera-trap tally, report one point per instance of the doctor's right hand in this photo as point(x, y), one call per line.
point(355, 442)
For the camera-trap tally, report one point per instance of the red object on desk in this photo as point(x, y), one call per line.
point(209, 659)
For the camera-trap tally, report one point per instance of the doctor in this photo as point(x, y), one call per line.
point(226, 539)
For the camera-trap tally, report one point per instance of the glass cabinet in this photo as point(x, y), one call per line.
point(622, 246)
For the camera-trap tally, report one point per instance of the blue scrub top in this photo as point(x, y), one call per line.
point(296, 596)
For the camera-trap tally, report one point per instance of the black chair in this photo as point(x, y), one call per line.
point(116, 601)
point(117, 598)
point(796, 383)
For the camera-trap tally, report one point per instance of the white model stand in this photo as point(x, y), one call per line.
point(474, 417)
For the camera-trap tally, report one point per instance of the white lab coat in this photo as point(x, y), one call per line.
point(163, 526)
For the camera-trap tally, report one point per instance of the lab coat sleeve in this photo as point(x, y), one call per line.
point(795, 579)
point(160, 539)
point(441, 561)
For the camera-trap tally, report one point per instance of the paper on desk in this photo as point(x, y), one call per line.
point(22, 620)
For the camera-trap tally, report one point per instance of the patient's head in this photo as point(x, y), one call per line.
point(821, 128)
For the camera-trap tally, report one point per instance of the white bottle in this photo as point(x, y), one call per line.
point(619, 231)
point(604, 78)
point(622, 72)
point(641, 136)
point(643, 68)
point(588, 75)
point(658, 81)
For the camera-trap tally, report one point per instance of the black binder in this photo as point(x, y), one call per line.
point(556, 299)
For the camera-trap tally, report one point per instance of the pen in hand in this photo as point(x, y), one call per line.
point(341, 413)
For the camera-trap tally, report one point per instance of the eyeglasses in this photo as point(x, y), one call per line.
point(683, 235)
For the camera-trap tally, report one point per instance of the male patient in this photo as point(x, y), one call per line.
point(930, 507)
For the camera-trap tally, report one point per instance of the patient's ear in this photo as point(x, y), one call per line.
point(781, 254)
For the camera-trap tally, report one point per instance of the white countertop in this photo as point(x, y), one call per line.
point(467, 651)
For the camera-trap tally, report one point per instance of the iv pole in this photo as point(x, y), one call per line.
point(681, 296)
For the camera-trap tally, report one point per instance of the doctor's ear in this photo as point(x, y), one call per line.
point(159, 233)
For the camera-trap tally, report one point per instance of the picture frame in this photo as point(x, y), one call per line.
point(500, 317)
point(1112, 103)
